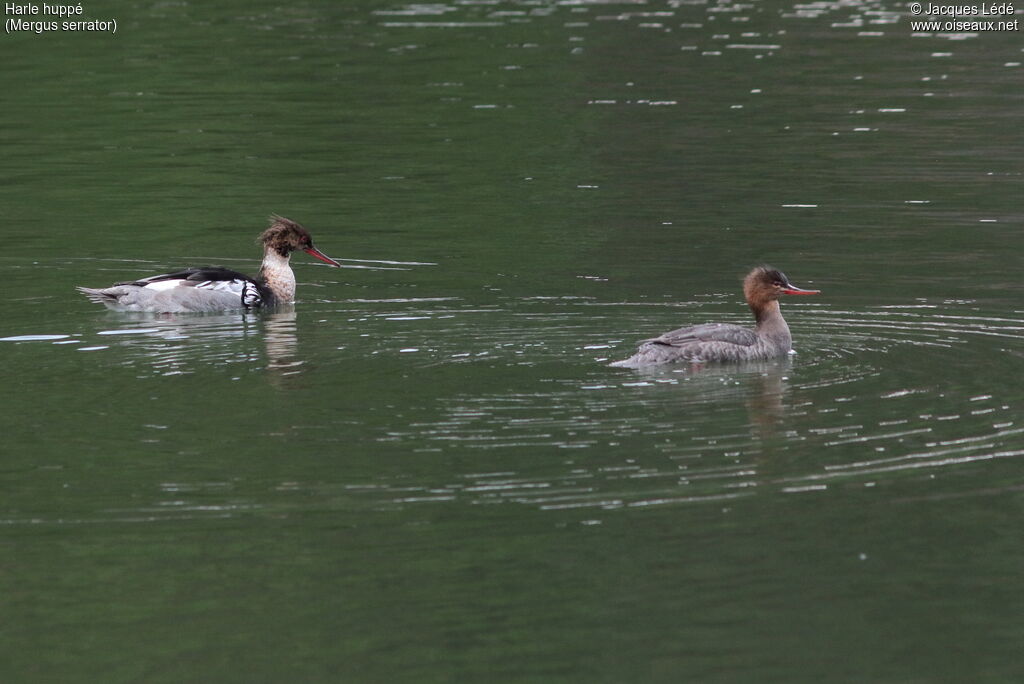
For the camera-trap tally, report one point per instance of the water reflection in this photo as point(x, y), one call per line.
point(765, 404)
point(280, 335)
point(282, 343)
point(761, 385)
point(176, 344)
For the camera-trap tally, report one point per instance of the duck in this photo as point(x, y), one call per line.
point(723, 342)
point(208, 289)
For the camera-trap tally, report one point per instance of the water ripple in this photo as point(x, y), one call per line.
point(823, 400)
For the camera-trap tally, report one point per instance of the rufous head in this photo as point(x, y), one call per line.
point(765, 284)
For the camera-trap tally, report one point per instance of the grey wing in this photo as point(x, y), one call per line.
point(709, 332)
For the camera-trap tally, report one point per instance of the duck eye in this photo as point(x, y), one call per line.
point(777, 283)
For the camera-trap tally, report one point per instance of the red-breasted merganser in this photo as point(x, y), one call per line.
point(714, 342)
point(213, 288)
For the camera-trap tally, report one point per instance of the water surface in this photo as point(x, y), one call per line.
point(425, 470)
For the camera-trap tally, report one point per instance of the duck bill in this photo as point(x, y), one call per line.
point(793, 289)
point(314, 252)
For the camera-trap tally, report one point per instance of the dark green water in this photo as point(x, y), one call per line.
point(426, 471)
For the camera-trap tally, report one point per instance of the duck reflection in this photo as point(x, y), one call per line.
point(281, 341)
point(175, 344)
point(765, 405)
point(761, 384)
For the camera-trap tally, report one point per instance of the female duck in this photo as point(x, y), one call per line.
point(213, 288)
point(713, 342)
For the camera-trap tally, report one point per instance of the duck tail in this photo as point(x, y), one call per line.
point(98, 296)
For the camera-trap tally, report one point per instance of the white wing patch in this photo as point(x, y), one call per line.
point(160, 285)
point(235, 286)
point(246, 291)
point(251, 295)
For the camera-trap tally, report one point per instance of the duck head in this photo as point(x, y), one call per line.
point(765, 284)
point(284, 236)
